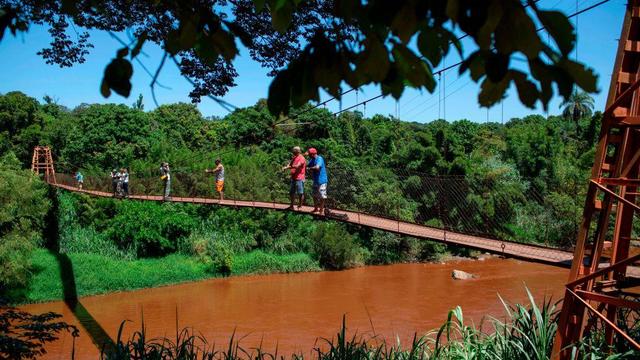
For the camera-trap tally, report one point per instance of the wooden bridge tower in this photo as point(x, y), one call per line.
point(42, 162)
point(602, 277)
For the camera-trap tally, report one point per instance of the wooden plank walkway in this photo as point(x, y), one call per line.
point(523, 251)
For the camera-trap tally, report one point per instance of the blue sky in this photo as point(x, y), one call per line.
point(25, 71)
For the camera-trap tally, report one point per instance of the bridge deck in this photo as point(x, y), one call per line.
point(523, 251)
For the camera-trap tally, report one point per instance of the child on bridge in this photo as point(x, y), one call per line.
point(165, 176)
point(218, 172)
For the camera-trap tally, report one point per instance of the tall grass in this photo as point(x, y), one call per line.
point(527, 332)
point(99, 274)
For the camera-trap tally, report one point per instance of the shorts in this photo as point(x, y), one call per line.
point(219, 185)
point(320, 191)
point(297, 187)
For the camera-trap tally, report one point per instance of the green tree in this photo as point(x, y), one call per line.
point(108, 136)
point(182, 125)
point(20, 124)
point(22, 218)
point(579, 105)
point(139, 104)
point(251, 126)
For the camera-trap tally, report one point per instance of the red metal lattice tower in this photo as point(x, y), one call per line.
point(42, 162)
point(603, 273)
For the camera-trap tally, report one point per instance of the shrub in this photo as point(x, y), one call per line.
point(221, 257)
point(430, 250)
point(258, 262)
point(335, 248)
point(216, 254)
point(388, 248)
point(149, 228)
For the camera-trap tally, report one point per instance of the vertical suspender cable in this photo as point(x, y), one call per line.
point(439, 94)
point(577, 37)
point(547, 109)
point(444, 92)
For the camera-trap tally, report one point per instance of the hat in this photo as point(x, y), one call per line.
point(312, 151)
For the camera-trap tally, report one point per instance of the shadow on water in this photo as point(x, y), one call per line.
point(67, 277)
point(96, 332)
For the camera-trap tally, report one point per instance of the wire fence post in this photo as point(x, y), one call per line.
point(398, 216)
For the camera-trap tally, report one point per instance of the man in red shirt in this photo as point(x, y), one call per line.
point(297, 166)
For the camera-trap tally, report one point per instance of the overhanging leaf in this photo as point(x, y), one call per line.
point(279, 94)
point(527, 91)
point(374, 60)
point(560, 28)
point(117, 77)
point(491, 93)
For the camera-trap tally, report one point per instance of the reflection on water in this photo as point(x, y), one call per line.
point(291, 311)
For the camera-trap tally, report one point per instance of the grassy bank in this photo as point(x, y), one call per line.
point(96, 274)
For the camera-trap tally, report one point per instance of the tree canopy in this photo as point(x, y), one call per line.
point(324, 44)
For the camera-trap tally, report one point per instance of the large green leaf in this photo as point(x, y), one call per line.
point(374, 60)
point(583, 76)
point(497, 66)
point(279, 93)
point(527, 91)
point(560, 28)
point(404, 22)
point(491, 93)
point(281, 16)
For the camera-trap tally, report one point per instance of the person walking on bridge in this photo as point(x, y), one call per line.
point(114, 182)
point(297, 166)
point(79, 179)
point(319, 175)
point(165, 176)
point(124, 175)
point(218, 172)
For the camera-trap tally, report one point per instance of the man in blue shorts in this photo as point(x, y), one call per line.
point(320, 179)
point(297, 166)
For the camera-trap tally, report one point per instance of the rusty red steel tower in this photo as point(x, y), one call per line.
point(601, 280)
point(42, 162)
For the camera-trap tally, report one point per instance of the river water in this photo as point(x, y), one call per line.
point(291, 311)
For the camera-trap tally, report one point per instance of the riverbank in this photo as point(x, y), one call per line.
point(58, 275)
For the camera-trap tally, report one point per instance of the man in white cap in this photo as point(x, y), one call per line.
point(319, 175)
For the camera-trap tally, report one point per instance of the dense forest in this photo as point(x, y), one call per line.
point(523, 180)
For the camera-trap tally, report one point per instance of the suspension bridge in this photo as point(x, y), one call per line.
point(42, 162)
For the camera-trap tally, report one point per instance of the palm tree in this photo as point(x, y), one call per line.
point(578, 105)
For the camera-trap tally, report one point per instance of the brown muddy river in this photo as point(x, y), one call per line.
point(291, 311)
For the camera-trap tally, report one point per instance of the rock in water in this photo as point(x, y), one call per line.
point(461, 275)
